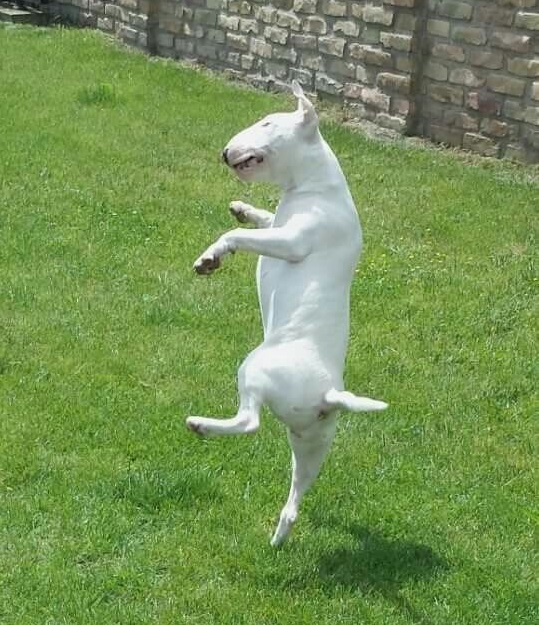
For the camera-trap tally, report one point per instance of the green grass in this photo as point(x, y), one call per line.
point(110, 511)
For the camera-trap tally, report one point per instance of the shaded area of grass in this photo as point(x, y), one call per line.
point(110, 186)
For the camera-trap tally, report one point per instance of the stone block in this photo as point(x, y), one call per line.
point(470, 34)
point(495, 128)
point(489, 14)
point(315, 24)
point(216, 36)
point(446, 93)
point(460, 119)
point(376, 99)
point(455, 9)
point(266, 14)
point(334, 8)
point(370, 55)
point(288, 20)
point(305, 6)
point(524, 67)
point(259, 47)
point(305, 42)
point(489, 59)
point(508, 40)
point(393, 82)
point(278, 70)
point(347, 28)
point(530, 21)
point(303, 76)
point(513, 110)
point(401, 3)
point(238, 42)
point(239, 6)
point(479, 144)
point(352, 90)
point(205, 18)
point(448, 52)
point(276, 34)
point(248, 26)
point(328, 85)
point(284, 4)
point(312, 61)
point(506, 84)
point(435, 71)
point(438, 28)
point(531, 115)
point(229, 22)
point(377, 15)
point(285, 53)
point(402, 43)
point(406, 21)
point(332, 45)
point(390, 121)
point(464, 76)
point(445, 135)
point(340, 68)
point(535, 91)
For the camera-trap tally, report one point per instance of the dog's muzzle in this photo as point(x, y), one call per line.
point(225, 156)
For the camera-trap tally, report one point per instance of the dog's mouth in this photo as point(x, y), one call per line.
point(248, 163)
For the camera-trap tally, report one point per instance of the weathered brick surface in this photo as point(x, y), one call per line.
point(463, 72)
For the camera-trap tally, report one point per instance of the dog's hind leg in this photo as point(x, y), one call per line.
point(309, 449)
point(343, 400)
point(247, 214)
point(246, 421)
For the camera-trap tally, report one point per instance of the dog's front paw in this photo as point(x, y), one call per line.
point(196, 425)
point(206, 264)
point(239, 211)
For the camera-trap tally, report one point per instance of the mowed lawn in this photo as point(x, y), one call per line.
point(111, 512)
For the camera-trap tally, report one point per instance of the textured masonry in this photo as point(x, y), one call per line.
point(461, 72)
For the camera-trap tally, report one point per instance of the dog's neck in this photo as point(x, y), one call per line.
point(308, 178)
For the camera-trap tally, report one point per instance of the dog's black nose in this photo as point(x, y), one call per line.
point(225, 155)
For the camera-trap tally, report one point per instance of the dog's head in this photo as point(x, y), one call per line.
point(266, 150)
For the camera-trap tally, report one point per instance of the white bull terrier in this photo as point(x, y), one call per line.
point(308, 251)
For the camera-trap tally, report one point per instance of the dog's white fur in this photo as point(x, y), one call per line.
point(308, 251)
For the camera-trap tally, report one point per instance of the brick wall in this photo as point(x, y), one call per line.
point(461, 72)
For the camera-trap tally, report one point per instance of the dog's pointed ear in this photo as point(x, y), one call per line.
point(305, 106)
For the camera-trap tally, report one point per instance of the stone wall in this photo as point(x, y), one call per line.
point(461, 72)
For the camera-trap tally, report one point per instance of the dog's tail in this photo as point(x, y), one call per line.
point(343, 400)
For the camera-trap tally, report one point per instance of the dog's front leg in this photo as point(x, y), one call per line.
point(247, 214)
point(291, 242)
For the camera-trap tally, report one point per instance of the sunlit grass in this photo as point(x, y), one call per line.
point(111, 512)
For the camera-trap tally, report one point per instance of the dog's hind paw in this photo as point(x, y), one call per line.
point(196, 425)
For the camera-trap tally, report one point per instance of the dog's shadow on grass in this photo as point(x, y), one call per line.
point(373, 564)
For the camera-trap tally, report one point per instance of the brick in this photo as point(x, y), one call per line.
point(376, 99)
point(507, 40)
point(402, 43)
point(513, 110)
point(346, 27)
point(393, 82)
point(377, 15)
point(303, 76)
point(205, 18)
point(493, 15)
point(531, 115)
point(261, 48)
point(535, 91)
point(480, 144)
point(524, 67)
point(469, 34)
point(288, 20)
point(489, 59)
point(341, 68)
point(328, 85)
point(248, 26)
point(495, 128)
point(238, 42)
point(529, 21)
point(334, 8)
point(304, 42)
point(389, 121)
point(506, 85)
point(464, 76)
point(436, 71)
point(370, 55)
point(231, 22)
point(446, 93)
point(461, 120)
point(352, 90)
point(312, 61)
point(305, 6)
point(285, 53)
point(316, 25)
point(331, 45)
point(448, 52)
point(455, 10)
point(276, 34)
point(439, 28)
